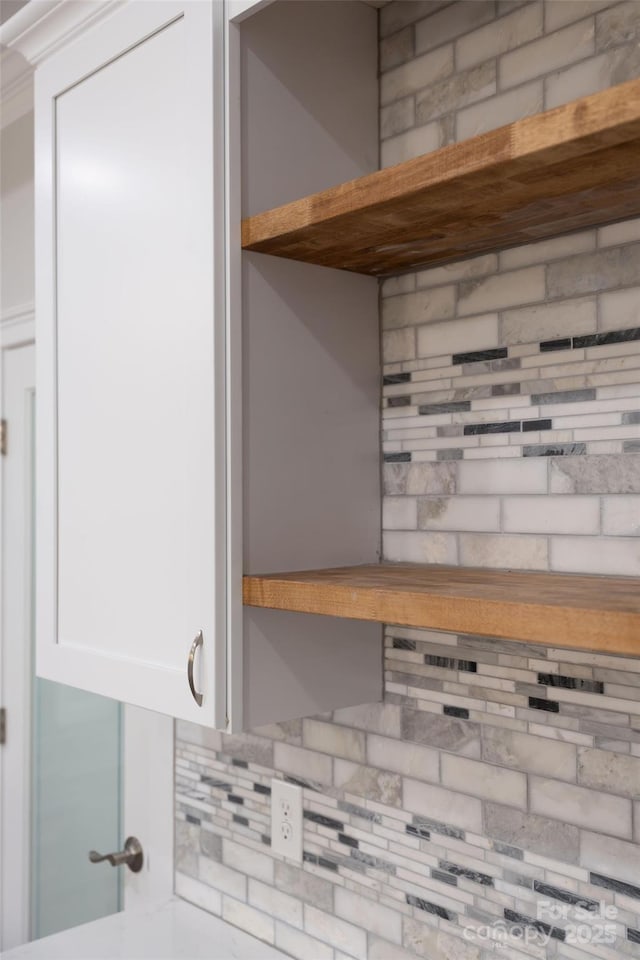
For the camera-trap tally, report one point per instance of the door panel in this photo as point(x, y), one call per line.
point(77, 771)
point(17, 381)
point(131, 360)
point(123, 361)
point(76, 806)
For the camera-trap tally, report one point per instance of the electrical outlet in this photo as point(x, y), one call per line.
point(286, 820)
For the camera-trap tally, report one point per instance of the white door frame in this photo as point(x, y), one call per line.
point(15, 693)
point(147, 754)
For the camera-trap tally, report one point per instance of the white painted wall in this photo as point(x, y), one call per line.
point(16, 198)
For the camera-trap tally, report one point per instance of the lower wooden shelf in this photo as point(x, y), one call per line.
point(589, 612)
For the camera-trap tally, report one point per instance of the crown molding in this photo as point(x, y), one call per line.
point(43, 26)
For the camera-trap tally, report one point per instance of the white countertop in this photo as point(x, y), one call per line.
point(175, 931)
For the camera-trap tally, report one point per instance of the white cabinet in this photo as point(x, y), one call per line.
point(200, 412)
point(131, 359)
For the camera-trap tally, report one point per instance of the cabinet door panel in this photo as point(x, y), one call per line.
point(134, 540)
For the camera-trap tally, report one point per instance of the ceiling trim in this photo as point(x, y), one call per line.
point(42, 26)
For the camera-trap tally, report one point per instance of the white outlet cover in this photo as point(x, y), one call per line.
point(286, 820)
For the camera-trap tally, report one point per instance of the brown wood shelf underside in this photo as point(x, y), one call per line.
point(566, 169)
point(587, 612)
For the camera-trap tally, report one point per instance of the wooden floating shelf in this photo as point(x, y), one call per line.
point(587, 612)
point(573, 167)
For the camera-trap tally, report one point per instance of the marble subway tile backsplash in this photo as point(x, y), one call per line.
point(471, 803)
point(489, 806)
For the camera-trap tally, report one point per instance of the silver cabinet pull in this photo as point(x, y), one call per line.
point(131, 855)
point(192, 655)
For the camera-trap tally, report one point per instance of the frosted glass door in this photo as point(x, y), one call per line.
point(76, 793)
point(76, 807)
point(61, 767)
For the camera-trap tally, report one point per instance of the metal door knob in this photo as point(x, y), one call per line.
point(131, 855)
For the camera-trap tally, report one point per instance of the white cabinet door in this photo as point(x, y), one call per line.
point(131, 359)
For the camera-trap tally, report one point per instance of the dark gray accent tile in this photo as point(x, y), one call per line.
point(563, 396)
point(601, 339)
point(444, 877)
point(522, 918)
point(503, 426)
point(548, 345)
point(450, 663)
point(322, 820)
point(631, 446)
point(633, 935)
point(554, 450)
point(436, 826)
point(397, 457)
point(399, 402)
point(496, 354)
point(348, 841)
point(609, 883)
point(475, 875)
point(430, 908)
point(399, 643)
point(556, 893)
point(420, 832)
point(320, 861)
point(537, 703)
point(461, 712)
point(216, 784)
point(528, 425)
point(391, 378)
point(633, 416)
point(570, 683)
point(455, 453)
point(242, 821)
point(452, 406)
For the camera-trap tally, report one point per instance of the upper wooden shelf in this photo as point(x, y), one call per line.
point(572, 167)
point(588, 612)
